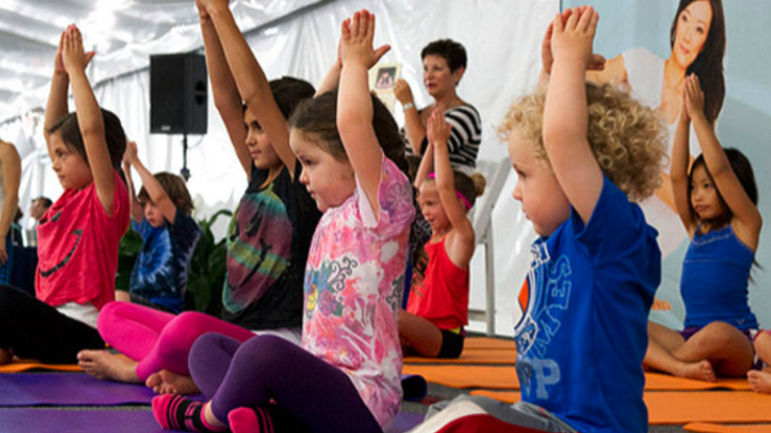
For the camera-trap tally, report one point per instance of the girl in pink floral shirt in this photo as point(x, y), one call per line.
point(346, 376)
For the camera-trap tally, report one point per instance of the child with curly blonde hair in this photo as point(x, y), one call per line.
point(581, 152)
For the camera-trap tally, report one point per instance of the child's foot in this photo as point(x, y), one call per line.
point(760, 381)
point(178, 413)
point(701, 370)
point(168, 382)
point(254, 420)
point(5, 356)
point(108, 366)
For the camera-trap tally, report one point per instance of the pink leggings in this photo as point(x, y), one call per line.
point(158, 340)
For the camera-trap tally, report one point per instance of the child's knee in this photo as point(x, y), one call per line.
point(719, 334)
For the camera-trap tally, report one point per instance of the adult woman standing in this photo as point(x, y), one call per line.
point(444, 63)
point(697, 40)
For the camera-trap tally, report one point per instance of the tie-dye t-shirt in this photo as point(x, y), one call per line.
point(353, 286)
point(268, 241)
point(160, 272)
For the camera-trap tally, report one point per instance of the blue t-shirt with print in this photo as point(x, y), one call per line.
point(583, 336)
point(160, 272)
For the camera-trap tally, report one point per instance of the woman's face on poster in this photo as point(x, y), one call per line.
point(692, 29)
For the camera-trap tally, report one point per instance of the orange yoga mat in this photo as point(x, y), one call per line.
point(708, 406)
point(19, 365)
point(466, 376)
point(506, 396)
point(488, 343)
point(704, 427)
point(471, 356)
point(665, 382)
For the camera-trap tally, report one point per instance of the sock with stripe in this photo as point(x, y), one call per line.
point(266, 419)
point(174, 412)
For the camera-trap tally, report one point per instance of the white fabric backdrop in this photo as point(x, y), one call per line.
point(501, 37)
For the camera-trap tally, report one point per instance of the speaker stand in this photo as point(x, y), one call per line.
point(184, 172)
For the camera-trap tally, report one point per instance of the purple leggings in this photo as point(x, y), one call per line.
point(251, 374)
point(158, 340)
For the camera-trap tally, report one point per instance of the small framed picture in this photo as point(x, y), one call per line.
point(382, 79)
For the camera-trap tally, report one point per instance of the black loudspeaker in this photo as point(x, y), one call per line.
point(178, 94)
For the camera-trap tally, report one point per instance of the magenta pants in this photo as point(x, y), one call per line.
point(158, 340)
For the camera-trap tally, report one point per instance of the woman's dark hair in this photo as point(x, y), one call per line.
point(69, 131)
point(708, 65)
point(176, 190)
point(449, 50)
point(742, 169)
point(316, 119)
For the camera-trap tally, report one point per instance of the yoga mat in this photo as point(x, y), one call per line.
point(464, 376)
point(471, 356)
point(708, 406)
point(704, 427)
point(506, 396)
point(19, 365)
point(25, 389)
point(117, 421)
point(488, 343)
point(405, 421)
point(78, 421)
point(665, 382)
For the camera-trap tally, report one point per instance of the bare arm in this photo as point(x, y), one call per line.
point(10, 164)
point(679, 171)
point(354, 108)
point(224, 90)
point(746, 214)
point(414, 128)
point(426, 166)
point(135, 207)
point(156, 192)
point(566, 114)
point(460, 246)
point(252, 84)
point(90, 119)
point(332, 79)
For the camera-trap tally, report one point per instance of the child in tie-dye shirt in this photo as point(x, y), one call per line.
point(346, 376)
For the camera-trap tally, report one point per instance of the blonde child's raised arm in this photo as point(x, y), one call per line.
point(251, 81)
point(565, 124)
point(679, 172)
point(744, 210)
point(426, 166)
point(594, 68)
point(154, 189)
point(224, 89)
point(460, 246)
point(90, 119)
point(354, 107)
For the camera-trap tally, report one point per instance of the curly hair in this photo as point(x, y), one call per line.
point(628, 139)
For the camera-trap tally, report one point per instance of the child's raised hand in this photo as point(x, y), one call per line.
point(356, 40)
point(74, 57)
point(573, 37)
point(694, 96)
point(130, 155)
point(202, 13)
point(58, 62)
point(438, 131)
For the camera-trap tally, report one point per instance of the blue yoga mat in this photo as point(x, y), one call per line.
point(68, 390)
point(116, 421)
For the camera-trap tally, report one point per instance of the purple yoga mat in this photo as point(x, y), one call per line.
point(116, 421)
point(65, 389)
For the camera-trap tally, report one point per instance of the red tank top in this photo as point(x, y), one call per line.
point(442, 296)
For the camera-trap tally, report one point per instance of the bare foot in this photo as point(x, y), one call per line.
point(168, 382)
point(760, 381)
point(108, 366)
point(6, 356)
point(701, 370)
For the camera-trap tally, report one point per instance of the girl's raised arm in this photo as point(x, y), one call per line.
point(745, 212)
point(565, 123)
point(135, 207)
point(252, 84)
point(354, 107)
point(679, 171)
point(10, 167)
point(224, 89)
point(90, 119)
point(460, 246)
point(154, 189)
point(426, 166)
